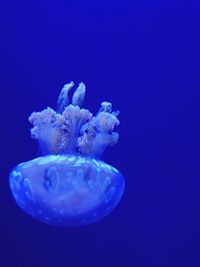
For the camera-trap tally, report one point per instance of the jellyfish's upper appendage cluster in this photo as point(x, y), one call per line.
point(70, 185)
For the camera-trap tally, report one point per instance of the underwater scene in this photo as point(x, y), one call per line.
point(100, 144)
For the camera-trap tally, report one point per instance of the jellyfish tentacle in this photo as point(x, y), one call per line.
point(79, 95)
point(63, 99)
point(76, 118)
point(106, 107)
point(74, 129)
point(98, 134)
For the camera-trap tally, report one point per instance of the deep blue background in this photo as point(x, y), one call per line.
point(144, 57)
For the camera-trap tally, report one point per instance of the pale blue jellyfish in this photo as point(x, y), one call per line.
point(69, 185)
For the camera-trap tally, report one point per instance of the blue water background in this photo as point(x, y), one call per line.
point(144, 57)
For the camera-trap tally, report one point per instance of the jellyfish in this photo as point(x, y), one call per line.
point(69, 184)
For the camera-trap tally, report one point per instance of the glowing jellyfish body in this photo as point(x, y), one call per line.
point(69, 185)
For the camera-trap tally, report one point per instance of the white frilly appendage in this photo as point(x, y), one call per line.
point(73, 129)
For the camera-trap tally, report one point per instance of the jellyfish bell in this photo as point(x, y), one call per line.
point(66, 190)
point(69, 185)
